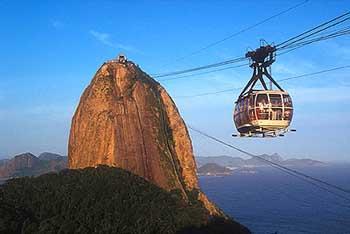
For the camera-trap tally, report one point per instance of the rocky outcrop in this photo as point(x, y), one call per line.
point(126, 119)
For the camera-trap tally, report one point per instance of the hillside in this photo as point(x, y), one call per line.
point(73, 201)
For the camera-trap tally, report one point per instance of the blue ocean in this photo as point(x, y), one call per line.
point(270, 201)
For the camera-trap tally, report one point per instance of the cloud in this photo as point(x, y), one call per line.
point(320, 95)
point(105, 39)
point(339, 51)
point(293, 67)
point(57, 24)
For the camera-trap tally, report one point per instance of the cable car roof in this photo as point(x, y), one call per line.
point(256, 92)
point(269, 92)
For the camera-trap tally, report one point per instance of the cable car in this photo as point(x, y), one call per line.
point(265, 112)
point(262, 112)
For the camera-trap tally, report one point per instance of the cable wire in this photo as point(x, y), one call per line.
point(290, 48)
point(310, 30)
point(309, 179)
point(322, 38)
point(202, 73)
point(280, 80)
point(213, 65)
point(241, 31)
point(292, 43)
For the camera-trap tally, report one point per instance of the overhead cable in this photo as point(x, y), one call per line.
point(280, 80)
point(241, 31)
point(291, 44)
point(307, 178)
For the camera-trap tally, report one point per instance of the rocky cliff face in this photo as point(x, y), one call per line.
point(126, 119)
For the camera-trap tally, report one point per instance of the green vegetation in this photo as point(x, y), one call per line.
point(99, 200)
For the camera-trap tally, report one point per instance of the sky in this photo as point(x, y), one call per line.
point(50, 50)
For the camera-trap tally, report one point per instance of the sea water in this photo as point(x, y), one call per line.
point(270, 201)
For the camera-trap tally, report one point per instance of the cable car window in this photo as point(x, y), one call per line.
point(276, 114)
point(246, 115)
point(287, 101)
point(241, 105)
point(252, 115)
point(262, 107)
point(244, 119)
point(261, 100)
point(275, 100)
point(251, 101)
point(241, 117)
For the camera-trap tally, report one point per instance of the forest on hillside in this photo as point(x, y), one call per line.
point(101, 200)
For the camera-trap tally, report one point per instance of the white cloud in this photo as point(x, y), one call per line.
point(105, 38)
point(57, 24)
point(341, 51)
point(320, 94)
point(294, 67)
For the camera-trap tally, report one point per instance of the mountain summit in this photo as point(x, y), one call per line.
point(126, 119)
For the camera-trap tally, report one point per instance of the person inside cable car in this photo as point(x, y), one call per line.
point(287, 114)
point(263, 111)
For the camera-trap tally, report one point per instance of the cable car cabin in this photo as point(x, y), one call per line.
point(263, 112)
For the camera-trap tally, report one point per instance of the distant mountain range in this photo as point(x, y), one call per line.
point(28, 164)
point(237, 162)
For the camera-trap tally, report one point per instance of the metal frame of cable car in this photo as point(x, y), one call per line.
point(246, 118)
point(260, 60)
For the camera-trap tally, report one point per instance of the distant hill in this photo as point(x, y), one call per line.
point(50, 156)
point(302, 162)
point(213, 169)
point(103, 200)
point(237, 162)
point(28, 164)
point(222, 160)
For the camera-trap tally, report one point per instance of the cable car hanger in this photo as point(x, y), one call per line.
point(259, 60)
